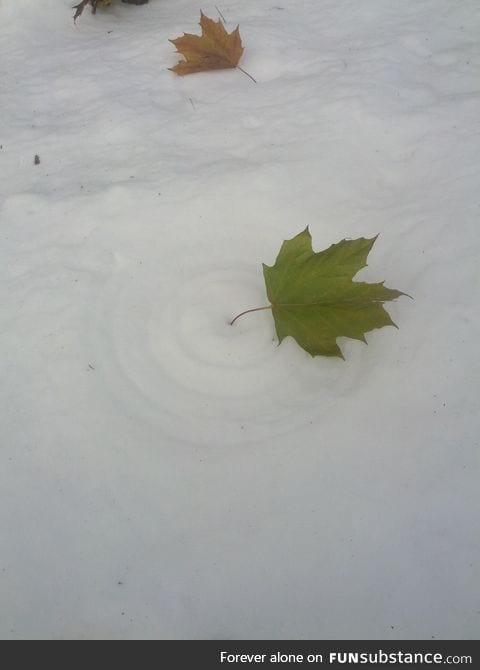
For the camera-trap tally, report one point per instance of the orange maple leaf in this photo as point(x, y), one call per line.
point(215, 49)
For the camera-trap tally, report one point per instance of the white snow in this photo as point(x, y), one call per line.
point(166, 475)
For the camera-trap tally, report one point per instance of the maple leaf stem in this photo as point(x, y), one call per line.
point(248, 75)
point(79, 8)
point(248, 311)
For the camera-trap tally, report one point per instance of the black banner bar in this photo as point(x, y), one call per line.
point(254, 655)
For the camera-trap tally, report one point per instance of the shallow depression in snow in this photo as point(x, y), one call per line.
point(175, 361)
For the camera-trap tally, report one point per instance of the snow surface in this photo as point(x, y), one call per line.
point(162, 473)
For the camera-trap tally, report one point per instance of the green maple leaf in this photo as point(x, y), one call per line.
point(314, 300)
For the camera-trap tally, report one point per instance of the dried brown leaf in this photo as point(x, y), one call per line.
point(215, 49)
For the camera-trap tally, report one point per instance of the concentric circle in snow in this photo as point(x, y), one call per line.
point(173, 361)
